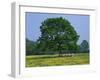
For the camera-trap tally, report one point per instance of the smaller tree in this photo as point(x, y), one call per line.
point(84, 46)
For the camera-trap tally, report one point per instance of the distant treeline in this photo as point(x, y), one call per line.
point(33, 49)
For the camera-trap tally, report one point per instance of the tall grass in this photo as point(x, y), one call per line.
point(55, 60)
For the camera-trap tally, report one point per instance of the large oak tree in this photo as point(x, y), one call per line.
point(57, 34)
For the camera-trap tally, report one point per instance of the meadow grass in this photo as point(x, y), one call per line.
point(55, 60)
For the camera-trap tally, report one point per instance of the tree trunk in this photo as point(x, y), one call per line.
point(59, 48)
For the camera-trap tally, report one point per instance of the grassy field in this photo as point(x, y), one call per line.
point(55, 60)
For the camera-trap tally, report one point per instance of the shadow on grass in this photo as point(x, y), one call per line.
point(45, 57)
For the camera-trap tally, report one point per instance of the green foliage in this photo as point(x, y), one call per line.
point(84, 46)
point(57, 34)
point(30, 47)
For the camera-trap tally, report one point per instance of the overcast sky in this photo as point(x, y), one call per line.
point(79, 22)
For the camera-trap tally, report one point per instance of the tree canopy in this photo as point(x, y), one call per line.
point(57, 34)
point(84, 46)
